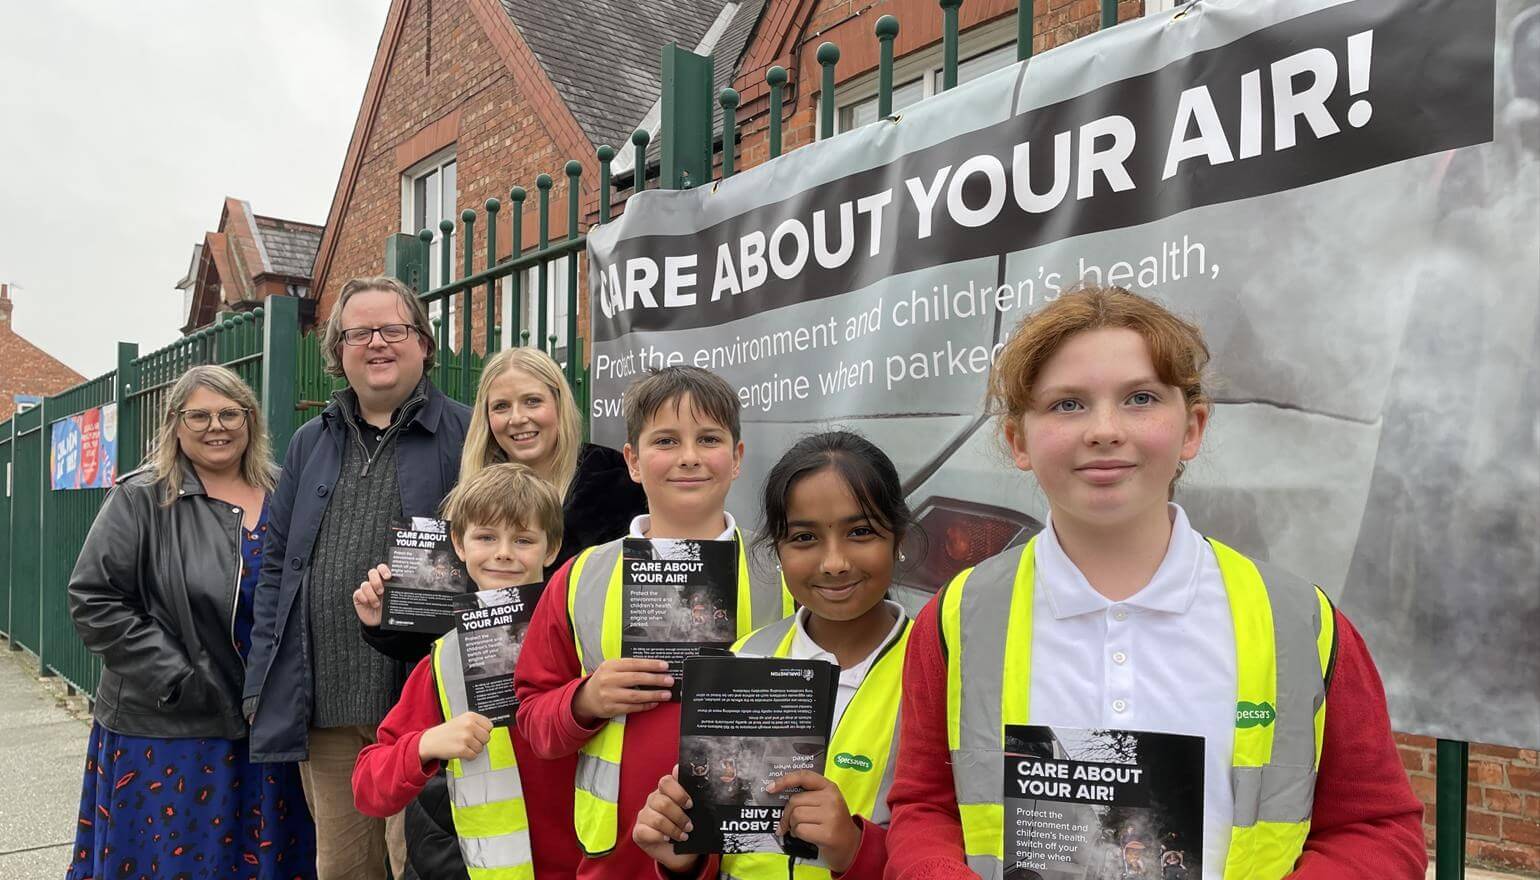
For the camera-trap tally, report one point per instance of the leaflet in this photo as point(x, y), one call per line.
point(745, 722)
point(491, 626)
point(680, 597)
point(425, 577)
point(1094, 804)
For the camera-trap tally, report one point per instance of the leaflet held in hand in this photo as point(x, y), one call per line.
point(425, 577)
point(1121, 804)
point(680, 597)
point(745, 722)
point(491, 626)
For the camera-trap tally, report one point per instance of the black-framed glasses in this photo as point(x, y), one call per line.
point(199, 420)
point(388, 332)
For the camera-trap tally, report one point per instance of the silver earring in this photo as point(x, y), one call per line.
point(902, 557)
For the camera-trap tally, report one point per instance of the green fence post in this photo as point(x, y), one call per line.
point(516, 279)
point(543, 183)
point(489, 345)
point(606, 155)
point(949, 44)
point(1109, 13)
point(1023, 30)
point(1449, 802)
point(728, 98)
point(406, 260)
point(49, 414)
point(125, 386)
point(280, 354)
point(775, 77)
point(574, 171)
point(886, 30)
point(687, 115)
point(828, 56)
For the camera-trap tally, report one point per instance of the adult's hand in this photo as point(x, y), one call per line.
point(367, 599)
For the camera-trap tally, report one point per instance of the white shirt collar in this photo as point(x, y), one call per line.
point(1171, 590)
point(641, 524)
point(803, 646)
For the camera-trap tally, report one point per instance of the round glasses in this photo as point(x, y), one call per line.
point(388, 332)
point(200, 420)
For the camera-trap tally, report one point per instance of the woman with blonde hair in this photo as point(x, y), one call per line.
point(524, 412)
point(162, 593)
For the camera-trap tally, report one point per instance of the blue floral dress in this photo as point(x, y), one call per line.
point(180, 809)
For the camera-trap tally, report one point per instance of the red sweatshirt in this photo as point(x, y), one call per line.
point(547, 676)
point(1367, 822)
point(389, 774)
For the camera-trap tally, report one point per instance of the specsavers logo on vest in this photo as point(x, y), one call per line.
point(853, 762)
point(1254, 714)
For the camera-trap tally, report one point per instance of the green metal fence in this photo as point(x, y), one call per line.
point(40, 531)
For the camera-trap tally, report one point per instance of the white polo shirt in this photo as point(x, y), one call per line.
point(1164, 660)
point(640, 525)
point(804, 648)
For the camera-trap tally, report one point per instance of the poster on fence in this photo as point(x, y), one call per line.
point(84, 450)
point(1344, 195)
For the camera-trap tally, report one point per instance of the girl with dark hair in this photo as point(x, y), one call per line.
point(835, 516)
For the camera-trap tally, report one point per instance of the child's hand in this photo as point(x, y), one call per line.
point(818, 815)
point(366, 599)
point(463, 736)
point(662, 821)
point(620, 687)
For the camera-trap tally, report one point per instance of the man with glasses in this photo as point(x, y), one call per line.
point(386, 446)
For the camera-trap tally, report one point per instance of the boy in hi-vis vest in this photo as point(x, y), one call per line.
point(507, 803)
point(577, 695)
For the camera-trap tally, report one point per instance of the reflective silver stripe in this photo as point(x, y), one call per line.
point(1272, 794)
point(452, 680)
point(1284, 790)
point(985, 618)
point(475, 789)
point(502, 851)
point(598, 777)
point(880, 813)
point(987, 867)
point(588, 604)
point(764, 641)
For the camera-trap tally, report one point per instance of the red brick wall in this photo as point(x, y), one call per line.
point(499, 142)
point(25, 368)
point(1502, 820)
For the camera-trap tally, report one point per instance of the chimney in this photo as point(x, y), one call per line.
point(5, 304)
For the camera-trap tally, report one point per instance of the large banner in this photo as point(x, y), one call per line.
point(1345, 195)
point(84, 450)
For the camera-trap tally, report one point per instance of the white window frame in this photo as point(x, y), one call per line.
point(924, 65)
point(435, 164)
point(556, 295)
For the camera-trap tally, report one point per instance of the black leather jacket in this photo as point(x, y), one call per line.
point(144, 595)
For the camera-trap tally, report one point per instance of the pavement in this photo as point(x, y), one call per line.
point(43, 732)
point(43, 735)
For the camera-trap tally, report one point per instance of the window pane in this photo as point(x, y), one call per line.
point(419, 205)
point(448, 201)
point(858, 114)
point(989, 62)
point(908, 94)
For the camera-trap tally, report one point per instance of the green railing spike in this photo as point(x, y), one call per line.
point(828, 56)
point(574, 170)
point(543, 183)
point(1109, 13)
point(728, 98)
point(606, 155)
point(639, 139)
point(1023, 30)
point(775, 77)
point(949, 43)
point(489, 308)
point(516, 279)
point(886, 30)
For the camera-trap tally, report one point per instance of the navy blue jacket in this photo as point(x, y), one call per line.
point(278, 672)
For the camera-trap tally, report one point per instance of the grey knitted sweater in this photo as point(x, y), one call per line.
point(354, 684)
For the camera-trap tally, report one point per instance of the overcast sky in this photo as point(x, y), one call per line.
point(124, 125)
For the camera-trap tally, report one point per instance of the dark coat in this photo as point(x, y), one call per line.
point(599, 507)
point(431, 844)
point(279, 679)
point(142, 571)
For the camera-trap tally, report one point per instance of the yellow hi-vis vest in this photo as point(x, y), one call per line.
point(861, 751)
point(594, 608)
point(1285, 640)
point(486, 796)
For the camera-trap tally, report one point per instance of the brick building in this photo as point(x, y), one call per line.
point(26, 371)
point(246, 260)
point(468, 98)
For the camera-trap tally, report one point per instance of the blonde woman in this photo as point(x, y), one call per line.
point(162, 592)
point(524, 413)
